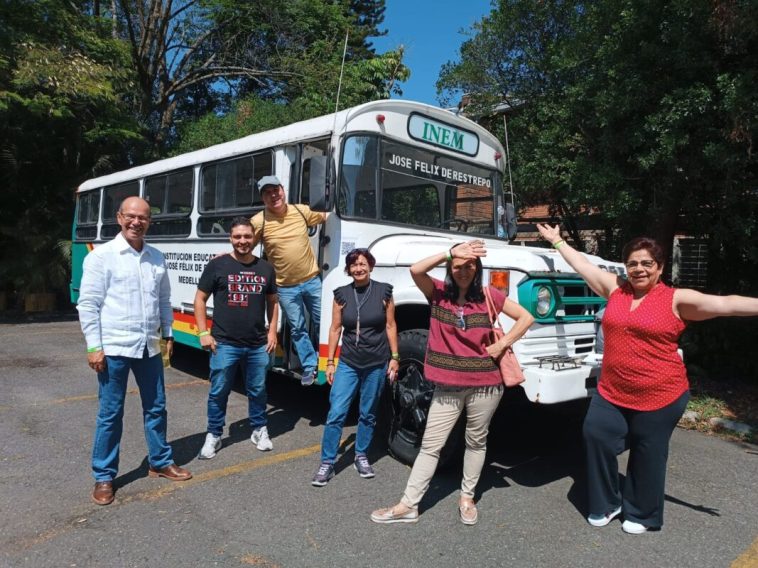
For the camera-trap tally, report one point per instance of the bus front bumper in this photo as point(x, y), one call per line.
point(549, 386)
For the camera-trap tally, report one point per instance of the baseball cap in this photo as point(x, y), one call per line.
point(268, 180)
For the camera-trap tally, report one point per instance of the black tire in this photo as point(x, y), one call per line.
point(406, 403)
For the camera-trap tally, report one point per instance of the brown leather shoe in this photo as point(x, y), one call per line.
point(172, 472)
point(103, 493)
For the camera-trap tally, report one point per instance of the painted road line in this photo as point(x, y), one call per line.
point(80, 519)
point(749, 558)
point(85, 397)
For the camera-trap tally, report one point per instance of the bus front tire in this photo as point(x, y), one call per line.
point(406, 404)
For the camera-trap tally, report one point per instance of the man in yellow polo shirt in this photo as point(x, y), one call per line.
point(283, 228)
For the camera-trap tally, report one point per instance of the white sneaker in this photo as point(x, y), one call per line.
point(633, 528)
point(261, 440)
point(210, 447)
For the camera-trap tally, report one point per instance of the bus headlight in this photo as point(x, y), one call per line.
point(544, 301)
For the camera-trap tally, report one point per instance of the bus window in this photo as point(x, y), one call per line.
point(412, 205)
point(87, 213)
point(170, 198)
point(309, 150)
point(228, 189)
point(112, 198)
point(424, 188)
point(358, 177)
point(472, 204)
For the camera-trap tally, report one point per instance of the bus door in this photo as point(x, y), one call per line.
point(299, 157)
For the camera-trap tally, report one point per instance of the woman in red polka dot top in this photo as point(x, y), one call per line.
point(643, 388)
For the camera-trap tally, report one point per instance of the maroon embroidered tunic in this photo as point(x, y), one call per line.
point(456, 356)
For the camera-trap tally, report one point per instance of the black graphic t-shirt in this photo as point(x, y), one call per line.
point(239, 299)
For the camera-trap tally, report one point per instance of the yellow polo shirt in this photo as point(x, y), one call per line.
point(286, 241)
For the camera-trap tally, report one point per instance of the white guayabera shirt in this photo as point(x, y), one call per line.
point(125, 299)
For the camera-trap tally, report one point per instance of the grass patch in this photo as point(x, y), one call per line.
point(732, 400)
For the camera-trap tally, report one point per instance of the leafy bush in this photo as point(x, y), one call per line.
point(722, 348)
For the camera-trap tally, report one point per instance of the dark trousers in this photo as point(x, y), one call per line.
point(608, 431)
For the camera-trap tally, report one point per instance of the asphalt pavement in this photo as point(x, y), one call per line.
point(250, 508)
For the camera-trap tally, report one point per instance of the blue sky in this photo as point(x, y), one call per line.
point(431, 33)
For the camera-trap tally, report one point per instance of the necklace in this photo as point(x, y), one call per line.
point(358, 306)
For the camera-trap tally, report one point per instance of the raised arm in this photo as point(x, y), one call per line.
point(420, 269)
point(692, 305)
point(602, 282)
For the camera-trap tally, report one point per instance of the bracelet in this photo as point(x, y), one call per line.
point(331, 364)
point(449, 254)
point(396, 356)
point(203, 333)
point(558, 244)
point(330, 361)
point(94, 349)
point(167, 338)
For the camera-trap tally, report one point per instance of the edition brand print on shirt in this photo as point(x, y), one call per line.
point(242, 285)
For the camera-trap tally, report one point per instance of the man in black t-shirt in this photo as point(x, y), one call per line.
point(243, 288)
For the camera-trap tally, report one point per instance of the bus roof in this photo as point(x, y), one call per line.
point(315, 128)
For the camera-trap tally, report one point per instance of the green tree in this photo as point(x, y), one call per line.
point(642, 109)
point(193, 56)
point(305, 42)
point(63, 118)
point(363, 81)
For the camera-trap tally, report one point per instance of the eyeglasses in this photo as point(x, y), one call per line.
point(631, 265)
point(461, 323)
point(129, 217)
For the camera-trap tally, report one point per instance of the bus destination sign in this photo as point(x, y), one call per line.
point(437, 133)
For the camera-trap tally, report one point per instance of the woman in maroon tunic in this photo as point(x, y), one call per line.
point(643, 388)
point(459, 361)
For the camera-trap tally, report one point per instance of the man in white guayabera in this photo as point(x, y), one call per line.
point(124, 309)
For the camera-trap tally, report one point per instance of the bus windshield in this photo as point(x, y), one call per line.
point(393, 182)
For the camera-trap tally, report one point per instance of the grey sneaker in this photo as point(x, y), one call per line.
point(323, 475)
point(363, 467)
point(261, 440)
point(210, 447)
point(308, 377)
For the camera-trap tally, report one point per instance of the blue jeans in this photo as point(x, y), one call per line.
point(346, 382)
point(254, 361)
point(148, 372)
point(294, 300)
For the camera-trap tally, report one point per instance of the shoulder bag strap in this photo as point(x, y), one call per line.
point(491, 309)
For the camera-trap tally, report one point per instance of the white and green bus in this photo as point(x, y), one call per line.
point(402, 179)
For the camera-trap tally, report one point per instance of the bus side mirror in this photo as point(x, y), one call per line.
point(319, 190)
point(510, 221)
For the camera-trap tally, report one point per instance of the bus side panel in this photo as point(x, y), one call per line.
point(78, 252)
point(185, 329)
